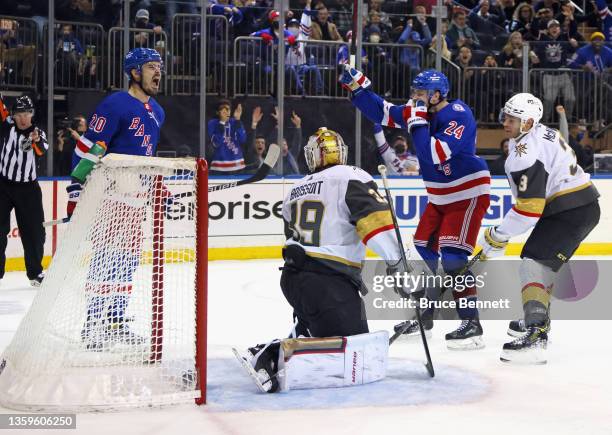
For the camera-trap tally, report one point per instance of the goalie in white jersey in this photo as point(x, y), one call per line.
point(556, 198)
point(330, 216)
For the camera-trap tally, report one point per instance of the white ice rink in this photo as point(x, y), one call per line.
point(473, 392)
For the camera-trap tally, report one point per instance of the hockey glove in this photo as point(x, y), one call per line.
point(74, 192)
point(493, 244)
point(415, 114)
point(354, 81)
point(87, 163)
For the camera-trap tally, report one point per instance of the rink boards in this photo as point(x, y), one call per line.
point(246, 222)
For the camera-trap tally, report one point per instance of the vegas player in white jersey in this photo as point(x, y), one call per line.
point(330, 217)
point(556, 198)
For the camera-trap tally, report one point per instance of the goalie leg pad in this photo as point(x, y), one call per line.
point(306, 363)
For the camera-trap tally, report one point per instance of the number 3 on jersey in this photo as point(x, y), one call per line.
point(306, 220)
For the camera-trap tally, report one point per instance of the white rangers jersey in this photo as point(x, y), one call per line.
point(545, 179)
point(334, 213)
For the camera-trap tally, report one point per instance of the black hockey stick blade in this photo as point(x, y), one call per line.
point(262, 172)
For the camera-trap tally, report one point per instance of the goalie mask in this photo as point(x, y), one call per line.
point(325, 148)
point(523, 106)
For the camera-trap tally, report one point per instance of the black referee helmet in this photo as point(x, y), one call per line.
point(23, 104)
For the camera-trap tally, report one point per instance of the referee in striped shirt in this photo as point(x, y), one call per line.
point(21, 143)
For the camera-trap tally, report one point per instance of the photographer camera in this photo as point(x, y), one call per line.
point(68, 133)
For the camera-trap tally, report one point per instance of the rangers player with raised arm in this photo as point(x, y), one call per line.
point(123, 123)
point(457, 182)
point(330, 217)
point(556, 198)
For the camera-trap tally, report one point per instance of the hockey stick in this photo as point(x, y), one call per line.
point(353, 47)
point(56, 222)
point(262, 172)
point(466, 268)
point(382, 169)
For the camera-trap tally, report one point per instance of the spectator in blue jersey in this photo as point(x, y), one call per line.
point(270, 34)
point(227, 138)
point(595, 57)
point(228, 10)
point(410, 58)
point(605, 15)
point(253, 14)
point(69, 55)
point(123, 123)
point(483, 21)
point(266, 55)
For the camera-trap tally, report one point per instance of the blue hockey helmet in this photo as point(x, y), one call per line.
point(431, 80)
point(137, 57)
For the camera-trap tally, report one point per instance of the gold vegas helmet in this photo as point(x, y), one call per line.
point(324, 148)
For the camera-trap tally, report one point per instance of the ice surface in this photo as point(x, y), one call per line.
point(473, 393)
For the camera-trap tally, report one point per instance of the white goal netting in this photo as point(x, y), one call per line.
point(114, 323)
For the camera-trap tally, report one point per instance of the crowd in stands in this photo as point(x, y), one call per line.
point(478, 33)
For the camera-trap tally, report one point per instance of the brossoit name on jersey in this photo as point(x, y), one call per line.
point(313, 188)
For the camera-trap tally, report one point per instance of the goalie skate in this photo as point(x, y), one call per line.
point(260, 378)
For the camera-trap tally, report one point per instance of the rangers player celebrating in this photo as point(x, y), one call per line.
point(457, 182)
point(556, 198)
point(330, 217)
point(123, 123)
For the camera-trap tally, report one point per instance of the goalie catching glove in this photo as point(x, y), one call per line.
point(353, 80)
point(493, 243)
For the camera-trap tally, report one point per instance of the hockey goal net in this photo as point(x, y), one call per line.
point(120, 320)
